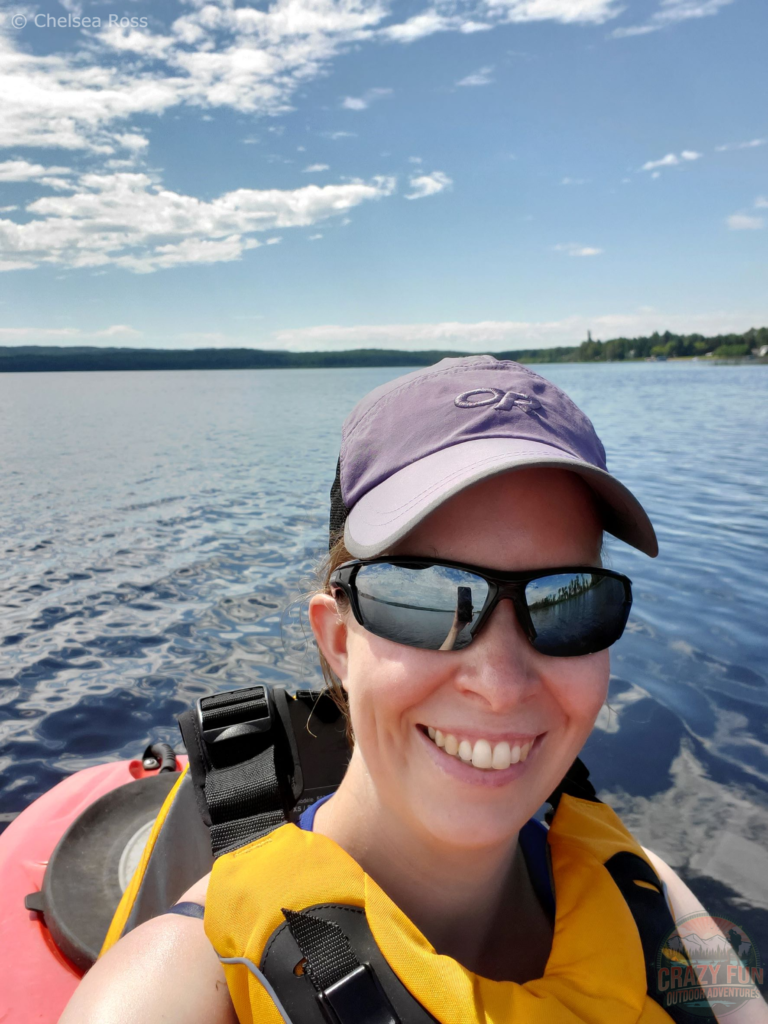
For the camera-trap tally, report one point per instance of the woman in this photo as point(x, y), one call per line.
point(470, 693)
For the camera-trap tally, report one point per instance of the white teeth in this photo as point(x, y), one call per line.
point(501, 755)
point(481, 754)
point(465, 750)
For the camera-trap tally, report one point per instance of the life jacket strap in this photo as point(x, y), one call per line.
point(348, 991)
point(258, 756)
point(232, 741)
point(576, 783)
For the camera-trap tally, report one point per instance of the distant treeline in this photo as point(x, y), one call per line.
point(40, 358)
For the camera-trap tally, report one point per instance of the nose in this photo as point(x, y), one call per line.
point(500, 667)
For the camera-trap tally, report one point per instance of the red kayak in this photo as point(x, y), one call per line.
point(75, 898)
point(67, 860)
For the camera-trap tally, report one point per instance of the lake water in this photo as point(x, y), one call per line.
point(159, 529)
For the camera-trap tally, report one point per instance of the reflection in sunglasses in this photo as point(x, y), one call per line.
point(461, 617)
point(576, 587)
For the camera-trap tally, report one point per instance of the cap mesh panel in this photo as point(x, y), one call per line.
point(339, 510)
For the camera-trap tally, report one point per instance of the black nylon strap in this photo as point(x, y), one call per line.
point(348, 992)
point(576, 783)
point(223, 709)
point(239, 793)
point(243, 789)
point(188, 909)
point(231, 835)
point(326, 948)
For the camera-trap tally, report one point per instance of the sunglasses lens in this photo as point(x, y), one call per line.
point(433, 607)
point(576, 613)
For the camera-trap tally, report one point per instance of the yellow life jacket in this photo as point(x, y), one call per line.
point(610, 925)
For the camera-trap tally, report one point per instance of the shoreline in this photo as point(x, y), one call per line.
point(78, 360)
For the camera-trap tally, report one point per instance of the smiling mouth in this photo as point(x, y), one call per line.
point(480, 753)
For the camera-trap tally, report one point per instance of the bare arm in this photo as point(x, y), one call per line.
point(683, 901)
point(165, 970)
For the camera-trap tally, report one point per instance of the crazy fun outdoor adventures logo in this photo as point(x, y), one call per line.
point(707, 964)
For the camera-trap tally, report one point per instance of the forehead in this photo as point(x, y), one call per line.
point(527, 519)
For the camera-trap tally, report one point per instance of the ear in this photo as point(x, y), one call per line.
point(330, 631)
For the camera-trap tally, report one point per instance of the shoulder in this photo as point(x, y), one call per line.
point(682, 901)
point(165, 963)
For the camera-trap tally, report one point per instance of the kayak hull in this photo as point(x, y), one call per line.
point(36, 980)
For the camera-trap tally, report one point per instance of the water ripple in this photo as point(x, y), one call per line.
point(160, 529)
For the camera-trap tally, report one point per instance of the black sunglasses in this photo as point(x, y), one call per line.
point(442, 606)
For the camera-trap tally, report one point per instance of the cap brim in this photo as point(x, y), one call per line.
point(386, 513)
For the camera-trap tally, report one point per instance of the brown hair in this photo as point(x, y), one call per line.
point(337, 556)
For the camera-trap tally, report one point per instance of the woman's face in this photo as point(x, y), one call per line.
point(498, 689)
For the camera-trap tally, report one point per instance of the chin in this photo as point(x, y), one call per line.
point(464, 827)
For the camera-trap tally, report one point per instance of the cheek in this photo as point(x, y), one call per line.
point(581, 688)
point(385, 684)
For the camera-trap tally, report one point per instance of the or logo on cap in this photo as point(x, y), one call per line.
point(504, 400)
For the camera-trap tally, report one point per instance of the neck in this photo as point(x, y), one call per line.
point(458, 897)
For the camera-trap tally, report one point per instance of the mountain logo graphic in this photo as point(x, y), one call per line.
point(707, 964)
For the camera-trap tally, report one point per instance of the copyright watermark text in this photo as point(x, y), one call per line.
point(20, 21)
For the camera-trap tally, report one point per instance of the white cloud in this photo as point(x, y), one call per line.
point(496, 336)
point(483, 336)
point(215, 55)
point(672, 160)
point(132, 140)
point(315, 238)
point(50, 335)
point(671, 12)
point(127, 220)
point(574, 249)
point(245, 58)
point(420, 25)
point(574, 181)
point(315, 168)
point(761, 203)
point(751, 144)
point(363, 102)
point(428, 185)
point(448, 17)
point(71, 102)
point(23, 170)
point(480, 77)
point(744, 222)
point(565, 11)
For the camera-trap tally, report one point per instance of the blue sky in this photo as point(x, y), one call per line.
point(311, 174)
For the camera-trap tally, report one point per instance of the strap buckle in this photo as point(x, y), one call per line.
point(357, 998)
point(233, 715)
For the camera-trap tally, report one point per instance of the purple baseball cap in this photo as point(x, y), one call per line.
point(413, 443)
